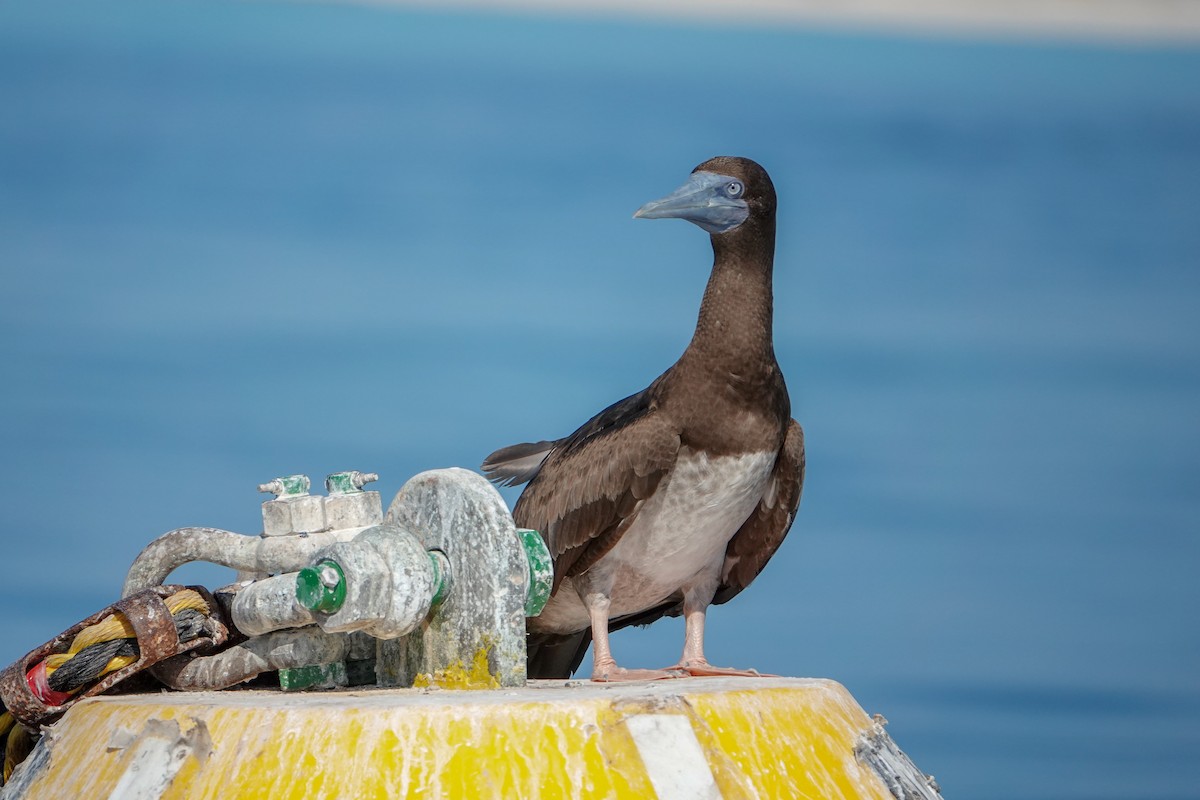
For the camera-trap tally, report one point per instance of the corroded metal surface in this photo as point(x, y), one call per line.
point(389, 583)
point(458, 513)
point(253, 554)
point(301, 647)
point(157, 640)
point(447, 569)
point(269, 604)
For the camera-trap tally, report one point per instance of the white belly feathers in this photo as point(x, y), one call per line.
point(680, 532)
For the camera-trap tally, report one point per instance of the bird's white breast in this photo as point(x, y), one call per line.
point(678, 537)
point(682, 530)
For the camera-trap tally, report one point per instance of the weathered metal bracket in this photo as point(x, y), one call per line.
point(476, 637)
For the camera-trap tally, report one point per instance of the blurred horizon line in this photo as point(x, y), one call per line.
point(1131, 21)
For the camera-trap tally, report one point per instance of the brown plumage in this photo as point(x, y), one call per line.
point(677, 496)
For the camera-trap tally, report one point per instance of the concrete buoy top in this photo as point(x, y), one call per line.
point(691, 738)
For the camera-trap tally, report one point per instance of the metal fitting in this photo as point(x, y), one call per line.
point(383, 583)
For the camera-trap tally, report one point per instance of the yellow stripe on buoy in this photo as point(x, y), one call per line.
point(689, 738)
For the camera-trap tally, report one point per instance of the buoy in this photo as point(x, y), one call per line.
point(397, 613)
point(675, 740)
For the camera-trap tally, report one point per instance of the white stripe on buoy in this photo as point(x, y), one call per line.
point(673, 758)
point(151, 770)
point(158, 753)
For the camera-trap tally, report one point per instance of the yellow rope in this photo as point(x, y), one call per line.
point(7, 723)
point(188, 598)
point(118, 627)
point(114, 627)
point(15, 749)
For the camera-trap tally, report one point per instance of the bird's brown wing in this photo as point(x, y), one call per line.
point(583, 499)
point(764, 530)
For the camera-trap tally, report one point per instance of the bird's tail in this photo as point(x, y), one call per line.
point(557, 655)
point(516, 464)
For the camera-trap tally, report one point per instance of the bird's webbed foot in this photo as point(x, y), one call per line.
point(608, 672)
point(700, 668)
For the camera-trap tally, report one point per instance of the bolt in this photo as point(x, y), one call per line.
point(287, 485)
point(361, 479)
point(349, 482)
point(329, 576)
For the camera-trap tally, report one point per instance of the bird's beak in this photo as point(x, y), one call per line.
point(701, 200)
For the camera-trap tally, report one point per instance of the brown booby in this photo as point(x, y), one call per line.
point(673, 498)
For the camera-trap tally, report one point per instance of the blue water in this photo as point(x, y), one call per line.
point(245, 240)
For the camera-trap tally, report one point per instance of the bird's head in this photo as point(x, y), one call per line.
point(720, 196)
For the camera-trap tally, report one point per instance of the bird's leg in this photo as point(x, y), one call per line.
point(693, 662)
point(604, 666)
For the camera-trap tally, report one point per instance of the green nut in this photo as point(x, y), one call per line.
point(321, 588)
point(441, 577)
point(541, 571)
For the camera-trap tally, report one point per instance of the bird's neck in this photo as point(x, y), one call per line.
point(734, 330)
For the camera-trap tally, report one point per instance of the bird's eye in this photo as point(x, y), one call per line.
point(733, 189)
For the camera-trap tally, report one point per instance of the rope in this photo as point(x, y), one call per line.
point(111, 644)
point(97, 650)
point(7, 733)
point(19, 743)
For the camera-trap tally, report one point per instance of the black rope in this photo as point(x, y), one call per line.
point(87, 665)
